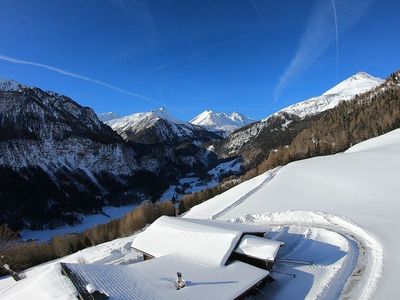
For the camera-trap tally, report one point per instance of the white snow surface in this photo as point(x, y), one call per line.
point(46, 281)
point(193, 239)
point(221, 122)
point(360, 185)
point(109, 213)
point(344, 91)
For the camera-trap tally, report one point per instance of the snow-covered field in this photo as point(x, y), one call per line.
point(361, 186)
point(337, 214)
point(188, 185)
point(109, 213)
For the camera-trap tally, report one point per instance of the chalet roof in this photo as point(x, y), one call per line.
point(258, 247)
point(154, 279)
point(205, 241)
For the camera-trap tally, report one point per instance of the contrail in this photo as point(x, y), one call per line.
point(337, 38)
point(318, 36)
point(77, 76)
point(195, 54)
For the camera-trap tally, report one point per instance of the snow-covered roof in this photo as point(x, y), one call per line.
point(205, 241)
point(155, 279)
point(258, 247)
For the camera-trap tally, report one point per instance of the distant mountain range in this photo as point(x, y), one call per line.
point(221, 123)
point(58, 160)
point(158, 126)
point(218, 122)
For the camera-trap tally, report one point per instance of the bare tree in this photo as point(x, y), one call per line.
point(6, 236)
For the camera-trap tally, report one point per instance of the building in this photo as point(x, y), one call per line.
point(218, 260)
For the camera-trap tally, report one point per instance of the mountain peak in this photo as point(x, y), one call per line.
point(362, 73)
point(221, 122)
point(162, 113)
point(359, 83)
point(356, 84)
point(8, 85)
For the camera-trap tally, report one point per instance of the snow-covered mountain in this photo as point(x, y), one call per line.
point(53, 154)
point(221, 123)
point(159, 126)
point(281, 127)
point(10, 85)
point(346, 90)
point(108, 116)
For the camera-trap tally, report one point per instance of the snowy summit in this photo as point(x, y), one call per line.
point(157, 126)
point(221, 122)
point(143, 119)
point(8, 85)
point(357, 84)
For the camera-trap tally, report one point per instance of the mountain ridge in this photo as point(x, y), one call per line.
point(343, 91)
point(221, 123)
point(257, 139)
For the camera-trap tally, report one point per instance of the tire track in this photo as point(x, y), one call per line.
point(243, 198)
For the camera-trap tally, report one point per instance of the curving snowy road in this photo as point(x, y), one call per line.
point(345, 261)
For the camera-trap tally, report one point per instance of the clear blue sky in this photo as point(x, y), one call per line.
point(253, 56)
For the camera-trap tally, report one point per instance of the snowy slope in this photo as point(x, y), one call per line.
point(345, 90)
point(360, 185)
point(221, 122)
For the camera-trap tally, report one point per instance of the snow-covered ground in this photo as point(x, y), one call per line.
point(188, 185)
point(361, 186)
point(46, 282)
point(337, 214)
point(109, 213)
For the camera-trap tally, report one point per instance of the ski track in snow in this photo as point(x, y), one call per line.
point(243, 198)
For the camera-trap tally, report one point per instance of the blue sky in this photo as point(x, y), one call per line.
point(252, 56)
